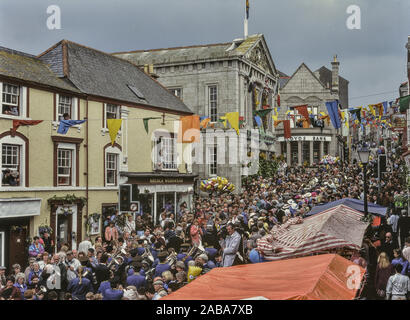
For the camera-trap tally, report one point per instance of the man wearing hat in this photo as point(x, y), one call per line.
point(162, 265)
point(159, 290)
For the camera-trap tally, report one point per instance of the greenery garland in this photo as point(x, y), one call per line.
point(68, 199)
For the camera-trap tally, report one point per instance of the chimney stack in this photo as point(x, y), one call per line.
point(335, 75)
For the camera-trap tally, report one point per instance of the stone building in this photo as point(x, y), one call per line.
point(314, 89)
point(238, 76)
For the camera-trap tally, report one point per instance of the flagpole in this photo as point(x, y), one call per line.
point(245, 24)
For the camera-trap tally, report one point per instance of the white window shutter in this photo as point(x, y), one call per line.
point(76, 116)
point(57, 101)
point(23, 101)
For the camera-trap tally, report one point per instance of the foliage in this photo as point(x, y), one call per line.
point(68, 199)
point(267, 168)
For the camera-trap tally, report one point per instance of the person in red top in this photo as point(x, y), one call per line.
point(196, 233)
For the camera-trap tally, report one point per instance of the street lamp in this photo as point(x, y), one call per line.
point(364, 154)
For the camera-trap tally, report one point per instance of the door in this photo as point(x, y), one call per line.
point(64, 229)
point(17, 246)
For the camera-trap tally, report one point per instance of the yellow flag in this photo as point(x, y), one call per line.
point(233, 119)
point(275, 117)
point(224, 122)
point(372, 110)
point(343, 115)
point(113, 126)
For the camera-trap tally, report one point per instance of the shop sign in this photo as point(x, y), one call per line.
point(166, 180)
point(306, 138)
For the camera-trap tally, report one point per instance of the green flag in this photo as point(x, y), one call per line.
point(263, 113)
point(145, 120)
point(404, 103)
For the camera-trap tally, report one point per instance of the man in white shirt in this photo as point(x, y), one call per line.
point(398, 285)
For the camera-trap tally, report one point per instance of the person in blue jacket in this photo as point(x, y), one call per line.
point(136, 279)
point(115, 292)
point(80, 286)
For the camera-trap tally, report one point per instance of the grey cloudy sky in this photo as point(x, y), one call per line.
point(373, 59)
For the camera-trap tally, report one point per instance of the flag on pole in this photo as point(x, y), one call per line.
point(113, 126)
point(233, 119)
point(258, 121)
point(286, 127)
point(303, 111)
point(332, 108)
point(247, 9)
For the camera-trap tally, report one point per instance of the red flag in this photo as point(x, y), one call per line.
point(278, 100)
point(286, 126)
point(18, 123)
point(303, 111)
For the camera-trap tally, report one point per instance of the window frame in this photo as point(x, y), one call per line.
point(22, 104)
point(70, 176)
point(209, 87)
point(212, 158)
point(174, 92)
point(105, 118)
point(23, 143)
point(18, 158)
point(159, 164)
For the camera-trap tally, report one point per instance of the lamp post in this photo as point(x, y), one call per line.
point(364, 154)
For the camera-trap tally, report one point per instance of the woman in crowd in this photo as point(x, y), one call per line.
point(383, 272)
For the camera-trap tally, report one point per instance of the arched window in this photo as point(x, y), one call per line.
point(112, 160)
point(14, 160)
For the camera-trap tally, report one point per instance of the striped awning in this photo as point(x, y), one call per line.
point(337, 227)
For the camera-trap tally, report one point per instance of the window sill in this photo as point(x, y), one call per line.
point(6, 116)
point(104, 131)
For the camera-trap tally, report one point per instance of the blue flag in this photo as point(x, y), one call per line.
point(258, 121)
point(385, 107)
point(66, 124)
point(333, 111)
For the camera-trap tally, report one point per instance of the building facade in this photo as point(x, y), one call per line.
point(68, 183)
point(238, 76)
point(314, 89)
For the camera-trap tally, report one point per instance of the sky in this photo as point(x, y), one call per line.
point(373, 58)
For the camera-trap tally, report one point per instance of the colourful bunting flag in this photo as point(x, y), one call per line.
point(113, 126)
point(233, 119)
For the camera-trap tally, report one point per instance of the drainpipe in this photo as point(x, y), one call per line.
point(86, 157)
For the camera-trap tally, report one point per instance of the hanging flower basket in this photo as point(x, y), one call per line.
point(44, 228)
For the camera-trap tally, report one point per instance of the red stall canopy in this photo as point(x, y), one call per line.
point(321, 277)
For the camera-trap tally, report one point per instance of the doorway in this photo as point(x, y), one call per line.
point(64, 229)
point(18, 246)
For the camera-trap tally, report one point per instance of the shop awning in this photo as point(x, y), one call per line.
point(321, 277)
point(356, 204)
point(338, 227)
point(19, 207)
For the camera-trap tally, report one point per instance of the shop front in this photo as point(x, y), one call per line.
point(16, 216)
point(306, 149)
point(152, 192)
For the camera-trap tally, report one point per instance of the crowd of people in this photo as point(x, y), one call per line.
point(138, 260)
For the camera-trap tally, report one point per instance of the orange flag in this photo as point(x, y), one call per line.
point(276, 123)
point(189, 129)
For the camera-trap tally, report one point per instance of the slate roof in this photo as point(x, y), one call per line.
point(26, 67)
point(325, 76)
point(283, 79)
point(100, 74)
point(237, 48)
